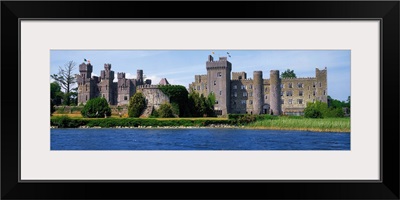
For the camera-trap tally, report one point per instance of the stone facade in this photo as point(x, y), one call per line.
point(258, 95)
point(116, 93)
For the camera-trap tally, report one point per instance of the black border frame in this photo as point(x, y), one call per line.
point(386, 11)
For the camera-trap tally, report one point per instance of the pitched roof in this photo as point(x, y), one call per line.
point(164, 82)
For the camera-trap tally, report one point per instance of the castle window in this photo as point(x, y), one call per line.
point(86, 97)
point(300, 93)
point(300, 85)
point(235, 94)
point(99, 88)
point(234, 87)
point(314, 84)
point(216, 101)
point(243, 101)
point(309, 96)
point(289, 93)
point(215, 82)
point(198, 87)
point(250, 94)
point(250, 102)
point(242, 87)
point(125, 98)
point(290, 85)
point(220, 92)
point(219, 74)
point(104, 96)
point(282, 85)
point(266, 97)
point(320, 84)
point(206, 86)
point(266, 89)
point(313, 93)
point(86, 87)
point(250, 86)
point(324, 92)
point(290, 101)
point(240, 77)
point(300, 101)
point(106, 87)
point(282, 93)
point(245, 94)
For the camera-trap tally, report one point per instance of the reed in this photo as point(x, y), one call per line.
point(307, 124)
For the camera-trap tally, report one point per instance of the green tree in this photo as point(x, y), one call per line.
point(288, 74)
point(165, 110)
point(55, 93)
point(314, 110)
point(137, 104)
point(178, 96)
point(52, 109)
point(334, 104)
point(66, 79)
point(321, 110)
point(96, 108)
point(200, 105)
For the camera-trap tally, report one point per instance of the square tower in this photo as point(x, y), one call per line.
point(219, 79)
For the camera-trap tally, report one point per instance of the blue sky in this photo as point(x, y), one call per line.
point(180, 66)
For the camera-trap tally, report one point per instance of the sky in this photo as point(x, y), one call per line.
point(180, 66)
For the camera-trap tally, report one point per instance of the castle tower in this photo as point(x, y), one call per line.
point(85, 71)
point(322, 84)
point(218, 80)
point(85, 85)
point(106, 86)
point(258, 100)
point(275, 92)
point(139, 77)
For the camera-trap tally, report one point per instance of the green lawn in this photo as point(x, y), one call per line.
point(300, 123)
point(269, 122)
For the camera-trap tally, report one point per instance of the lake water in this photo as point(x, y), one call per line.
point(196, 139)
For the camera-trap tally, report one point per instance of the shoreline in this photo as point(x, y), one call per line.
point(212, 126)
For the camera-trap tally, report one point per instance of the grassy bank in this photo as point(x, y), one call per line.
point(248, 121)
point(300, 123)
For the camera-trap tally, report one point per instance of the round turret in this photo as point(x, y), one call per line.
point(258, 100)
point(275, 85)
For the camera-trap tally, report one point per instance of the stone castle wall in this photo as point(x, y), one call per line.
point(258, 96)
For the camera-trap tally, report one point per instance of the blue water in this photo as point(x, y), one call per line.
point(196, 139)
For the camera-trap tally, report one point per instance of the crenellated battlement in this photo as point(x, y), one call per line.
point(147, 87)
point(120, 75)
point(301, 78)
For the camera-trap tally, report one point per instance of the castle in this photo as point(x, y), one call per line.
point(234, 92)
point(116, 93)
point(275, 95)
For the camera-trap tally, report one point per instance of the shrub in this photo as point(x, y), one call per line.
point(242, 119)
point(137, 104)
point(321, 110)
point(65, 122)
point(96, 108)
point(165, 110)
point(312, 113)
point(154, 113)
